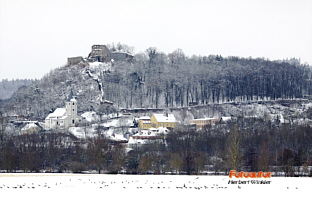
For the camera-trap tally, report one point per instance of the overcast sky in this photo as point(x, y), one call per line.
point(38, 35)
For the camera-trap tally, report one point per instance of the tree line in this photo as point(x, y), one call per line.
point(158, 80)
point(247, 144)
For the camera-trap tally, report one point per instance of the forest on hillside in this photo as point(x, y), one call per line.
point(158, 80)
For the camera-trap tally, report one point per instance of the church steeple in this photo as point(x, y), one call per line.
point(71, 105)
point(71, 95)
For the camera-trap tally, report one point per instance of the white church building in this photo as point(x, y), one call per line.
point(63, 118)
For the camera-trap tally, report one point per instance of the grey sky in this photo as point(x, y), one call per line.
point(38, 35)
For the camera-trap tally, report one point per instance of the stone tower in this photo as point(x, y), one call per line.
point(100, 53)
point(71, 109)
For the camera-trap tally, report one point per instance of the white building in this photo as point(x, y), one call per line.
point(151, 133)
point(143, 136)
point(63, 118)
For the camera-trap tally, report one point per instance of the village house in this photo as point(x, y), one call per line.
point(157, 120)
point(151, 133)
point(63, 118)
point(144, 122)
point(143, 136)
point(203, 122)
point(163, 120)
point(30, 128)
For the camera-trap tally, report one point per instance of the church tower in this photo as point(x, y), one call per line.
point(71, 109)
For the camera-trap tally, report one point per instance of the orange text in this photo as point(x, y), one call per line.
point(243, 174)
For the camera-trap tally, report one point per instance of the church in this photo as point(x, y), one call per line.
point(63, 118)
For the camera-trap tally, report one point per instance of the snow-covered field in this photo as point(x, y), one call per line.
point(82, 190)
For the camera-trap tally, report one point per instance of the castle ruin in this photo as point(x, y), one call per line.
point(100, 53)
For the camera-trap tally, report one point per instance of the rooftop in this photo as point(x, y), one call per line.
point(28, 126)
point(144, 118)
point(165, 118)
point(57, 113)
point(204, 119)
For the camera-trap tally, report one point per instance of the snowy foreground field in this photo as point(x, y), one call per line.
point(78, 190)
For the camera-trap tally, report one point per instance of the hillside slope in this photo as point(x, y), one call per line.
point(51, 92)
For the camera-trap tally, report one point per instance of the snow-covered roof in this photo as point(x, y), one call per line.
point(144, 118)
point(29, 126)
point(152, 132)
point(226, 118)
point(143, 133)
point(204, 119)
point(59, 112)
point(118, 137)
point(165, 118)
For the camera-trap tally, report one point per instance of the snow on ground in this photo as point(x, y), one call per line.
point(307, 106)
point(100, 66)
point(82, 132)
point(90, 116)
point(82, 190)
point(112, 123)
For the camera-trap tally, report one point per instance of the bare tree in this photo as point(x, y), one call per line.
point(152, 53)
point(177, 58)
point(118, 157)
point(99, 151)
point(233, 149)
point(200, 160)
point(265, 157)
point(3, 124)
point(176, 162)
point(145, 164)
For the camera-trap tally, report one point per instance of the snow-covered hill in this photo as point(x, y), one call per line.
point(54, 89)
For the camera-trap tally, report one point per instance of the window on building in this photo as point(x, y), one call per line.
point(73, 109)
point(73, 121)
point(73, 103)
